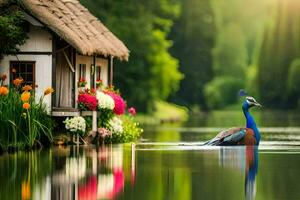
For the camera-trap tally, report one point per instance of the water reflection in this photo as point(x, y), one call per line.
point(243, 159)
point(92, 174)
point(151, 171)
point(67, 173)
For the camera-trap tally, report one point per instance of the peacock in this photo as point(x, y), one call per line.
point(248, 135)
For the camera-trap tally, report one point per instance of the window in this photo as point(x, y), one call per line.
point(82, 70)
point(98, 73)
point(23, 69)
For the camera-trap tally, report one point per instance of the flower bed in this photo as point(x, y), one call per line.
point(115, 125)
point(24, 121)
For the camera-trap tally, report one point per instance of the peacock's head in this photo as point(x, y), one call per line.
point(250, 102)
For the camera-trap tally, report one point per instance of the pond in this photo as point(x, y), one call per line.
point(168, 163)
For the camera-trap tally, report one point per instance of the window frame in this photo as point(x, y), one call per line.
point(98, 72)
point(82, 71)
point(12, 64)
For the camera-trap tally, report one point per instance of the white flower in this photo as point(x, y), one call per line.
point(75, 124)
point(116, 125)
point(105, 101)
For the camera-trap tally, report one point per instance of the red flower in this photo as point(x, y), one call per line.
point(93, 91)
point(82, 79)
point(87, 101)
point(120, 104)
point(132, 111)
point(82, 82)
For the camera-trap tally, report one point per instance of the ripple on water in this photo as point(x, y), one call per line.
point(265, 146)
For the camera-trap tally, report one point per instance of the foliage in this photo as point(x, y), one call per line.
point(222, 91)
point(294, 83)
point(89, 123)
point(131, 131)
point(279, 48)
point(194, 37)
point(230, 53)
point(143, 26)
point(24, 121)
point(164, 66)
point(12, 33)
point(115, 125)
point(251, 81)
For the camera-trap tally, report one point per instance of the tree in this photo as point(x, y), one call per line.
point(235, 51)
point(279, 48)
point(12, 33)
point(151, 73)
point(294, 83)
point(194, 35)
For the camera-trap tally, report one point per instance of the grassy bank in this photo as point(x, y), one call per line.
point(165, 112)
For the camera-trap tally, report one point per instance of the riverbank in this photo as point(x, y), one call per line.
point(165, 112)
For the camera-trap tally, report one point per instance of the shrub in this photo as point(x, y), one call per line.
point(130, 131)
point(222, 91)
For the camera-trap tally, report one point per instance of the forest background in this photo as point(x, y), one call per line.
point(200, 53)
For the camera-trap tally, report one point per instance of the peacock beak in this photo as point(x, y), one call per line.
point(257, 104)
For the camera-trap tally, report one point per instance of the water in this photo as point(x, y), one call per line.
point(169, 163)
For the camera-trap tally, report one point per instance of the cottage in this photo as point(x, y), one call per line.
point(65, 43)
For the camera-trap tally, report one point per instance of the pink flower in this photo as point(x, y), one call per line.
point(89, 189)
point(120, 104)
point(132, 111)
point(104, 132)
point(87, 101)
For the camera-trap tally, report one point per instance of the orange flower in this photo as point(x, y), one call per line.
point(27, 88)
point(3, 91)
point(17, 81)
point(14, 70)
point(25, 96)
point(48, 90)
point(26, 106)
point(25, 190)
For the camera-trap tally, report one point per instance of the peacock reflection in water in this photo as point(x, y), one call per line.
point(244, 159)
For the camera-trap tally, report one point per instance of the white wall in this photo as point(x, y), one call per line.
point(39, 41)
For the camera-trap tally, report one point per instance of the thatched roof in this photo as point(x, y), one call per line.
point(76, 25)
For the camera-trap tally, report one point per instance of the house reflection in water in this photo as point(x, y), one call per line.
point(92, 173)
point(245, 159)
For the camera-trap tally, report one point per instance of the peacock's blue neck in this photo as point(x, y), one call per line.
point(250, 123)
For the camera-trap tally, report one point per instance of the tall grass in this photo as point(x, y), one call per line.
point(23, 127)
